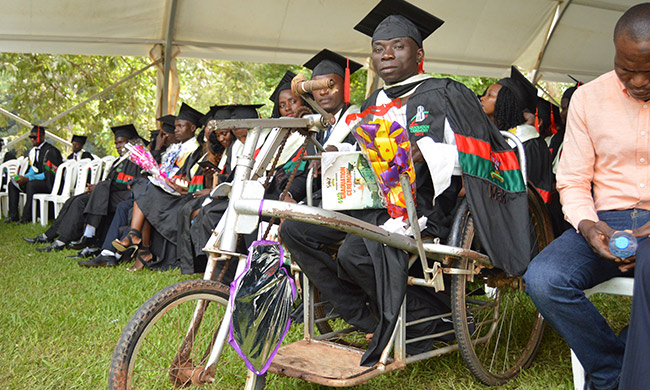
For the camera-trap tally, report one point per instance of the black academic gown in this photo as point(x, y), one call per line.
point(539, 169)
point(360, 259)
point(48, 161)
point(93, 208)
point(10, 155)
point(85, 154)
point(162, 210)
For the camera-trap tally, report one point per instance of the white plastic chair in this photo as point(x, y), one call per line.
point(85, 167)
point(67, 172)
point(616, 286)
point(11, 167)
point(108, 162)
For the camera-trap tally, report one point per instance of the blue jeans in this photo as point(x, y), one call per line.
point(636, 365)
point(555, 281)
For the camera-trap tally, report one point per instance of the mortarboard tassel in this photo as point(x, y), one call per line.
point(537, 119)
point(421, 66)
point(346, 95)
point(553, 126)
point(38, 134)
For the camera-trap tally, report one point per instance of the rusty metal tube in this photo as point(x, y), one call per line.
point(345, 223)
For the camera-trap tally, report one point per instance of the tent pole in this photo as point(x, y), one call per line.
point(536, 75)
point(15, 117)
point(168, 57)
point(99, 94)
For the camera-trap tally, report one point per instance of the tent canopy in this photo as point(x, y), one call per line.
point(479, 37)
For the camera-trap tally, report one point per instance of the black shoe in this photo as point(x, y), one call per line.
point(84, 242)
point(99, 261)
point(55, 246)
point(10, 220)
point(86, 252)
point(40, 239)
point(22, 221)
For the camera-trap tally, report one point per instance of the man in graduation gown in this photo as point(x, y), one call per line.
point(87, 211)
point(78, 153)
point(44, 160)
point(437, 113)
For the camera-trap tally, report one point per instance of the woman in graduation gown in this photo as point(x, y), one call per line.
point(505, 108)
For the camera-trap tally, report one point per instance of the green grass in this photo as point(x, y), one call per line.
point(59, 324)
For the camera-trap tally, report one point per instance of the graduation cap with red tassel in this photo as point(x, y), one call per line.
point(40, 132)
point(328, 62)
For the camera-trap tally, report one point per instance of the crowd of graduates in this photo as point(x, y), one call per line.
point(126, 214)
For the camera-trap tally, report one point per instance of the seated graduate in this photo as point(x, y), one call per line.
point(307, 239)
point(44, 160)
point(78, 153)
point(505, 103)
point(155, 210)
point(368, 281)
point(85, 212)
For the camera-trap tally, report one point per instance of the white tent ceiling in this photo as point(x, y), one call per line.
point(479, 37)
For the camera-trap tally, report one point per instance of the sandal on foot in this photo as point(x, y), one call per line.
point(128, 242)
point(142, 256)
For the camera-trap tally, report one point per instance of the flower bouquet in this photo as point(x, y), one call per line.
point(144, 159)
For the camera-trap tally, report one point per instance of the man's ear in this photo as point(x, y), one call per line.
point(419, 55)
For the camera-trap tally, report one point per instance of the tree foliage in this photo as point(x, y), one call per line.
point(37, 87)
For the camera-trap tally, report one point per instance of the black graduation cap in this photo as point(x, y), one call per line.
point(79, 138)
point(245, 111)
point(568, 93)
point(188, 113)
point(283, 85)
point(217, 112)
point(397, 18)
point(168, 123)
point(126, 131)
point(39, 130)
point(524, 90)
point(327, 62)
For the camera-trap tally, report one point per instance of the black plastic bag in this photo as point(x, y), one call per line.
point(261, 300)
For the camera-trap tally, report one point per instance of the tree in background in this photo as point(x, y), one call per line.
point(37, 87)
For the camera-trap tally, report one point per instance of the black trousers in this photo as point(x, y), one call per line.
point(636, 365)
point(32, 187)
point(305, 243)
point(70, 223)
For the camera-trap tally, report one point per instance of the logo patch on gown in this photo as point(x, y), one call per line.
point(415, 126)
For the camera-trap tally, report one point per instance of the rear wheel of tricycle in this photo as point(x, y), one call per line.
point(497, 325)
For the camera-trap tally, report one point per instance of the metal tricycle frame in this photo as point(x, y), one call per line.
point(241, 217)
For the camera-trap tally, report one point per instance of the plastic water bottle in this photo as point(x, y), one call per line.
point(623, 245)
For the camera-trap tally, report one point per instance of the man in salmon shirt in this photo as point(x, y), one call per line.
point(604, 184)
